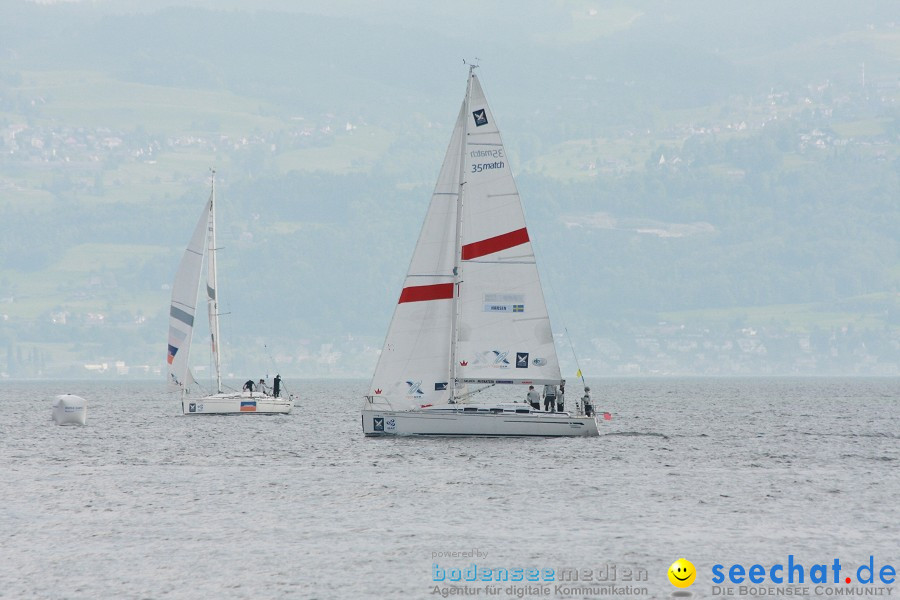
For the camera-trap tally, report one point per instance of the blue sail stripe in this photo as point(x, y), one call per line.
point(182, 316)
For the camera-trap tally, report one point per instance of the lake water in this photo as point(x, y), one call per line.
point(144, 502)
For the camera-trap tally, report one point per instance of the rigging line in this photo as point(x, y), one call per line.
point(283, 387)
point(559, 312)
point(468, 395)
point(271, 360)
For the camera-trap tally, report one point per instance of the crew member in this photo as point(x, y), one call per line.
point(588, 404)
point(550, 397)
point(534, 398)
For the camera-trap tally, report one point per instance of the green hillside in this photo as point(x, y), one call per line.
point(686, 180)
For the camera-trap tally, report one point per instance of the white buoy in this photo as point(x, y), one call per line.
point(69, 410)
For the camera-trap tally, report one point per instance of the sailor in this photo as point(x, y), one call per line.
point(586, 401)
point(248, 385)
point(276, 386)
point(261, 386)
point(560, 397)
point(549, 397)
point(534, 398)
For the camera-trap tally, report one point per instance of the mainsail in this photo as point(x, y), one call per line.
point(472, 309)
point(184, 305)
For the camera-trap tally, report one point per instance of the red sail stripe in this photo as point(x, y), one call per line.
point(495, 244)
point(420, 293)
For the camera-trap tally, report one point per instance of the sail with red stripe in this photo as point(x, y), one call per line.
point(413, 368)
point(471, 308)
point(504, 328)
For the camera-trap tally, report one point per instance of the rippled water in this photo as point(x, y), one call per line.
point(146, 503)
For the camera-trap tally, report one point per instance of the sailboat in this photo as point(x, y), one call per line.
point(185, 291)
point(471, 314)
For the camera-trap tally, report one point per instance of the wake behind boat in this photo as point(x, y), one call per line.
point(185, 291)
point(471, 314)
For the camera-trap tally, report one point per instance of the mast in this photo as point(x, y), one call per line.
point(212, 284)
point(457, 253)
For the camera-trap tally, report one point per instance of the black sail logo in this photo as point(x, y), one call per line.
point(480, 117)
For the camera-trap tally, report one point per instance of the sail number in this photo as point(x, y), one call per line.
point(487, 153)
point(478, 168)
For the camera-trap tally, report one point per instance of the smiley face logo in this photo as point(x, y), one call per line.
point(682, 573)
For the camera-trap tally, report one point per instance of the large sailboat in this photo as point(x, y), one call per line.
point(185, 291)
point(471, 314)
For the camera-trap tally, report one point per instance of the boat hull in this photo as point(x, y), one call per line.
point(449, 422)
point(237, 404)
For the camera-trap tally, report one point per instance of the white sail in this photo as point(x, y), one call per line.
point(472, 309)
point(496, 328)
point(413, 368)
point(184, 305)
point(503, 327)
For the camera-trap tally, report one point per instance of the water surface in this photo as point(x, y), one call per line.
point(144, 502)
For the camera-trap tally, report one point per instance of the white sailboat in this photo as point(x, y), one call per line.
point(185, 291)
point(471, 314)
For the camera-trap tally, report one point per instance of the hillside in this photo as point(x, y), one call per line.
point(712, 188)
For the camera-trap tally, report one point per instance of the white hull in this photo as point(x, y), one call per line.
point(501, 420)
point(237, 404)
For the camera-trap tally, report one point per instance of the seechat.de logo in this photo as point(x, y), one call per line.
point(682, 573)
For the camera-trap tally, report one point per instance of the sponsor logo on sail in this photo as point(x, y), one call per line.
point(480, 117)
point(493, 358)
point(415, 388)
point(521, 360)
point(539, 362)
point(192, 407)
point(378, 423)
point(377, 391)
point(440, 387)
